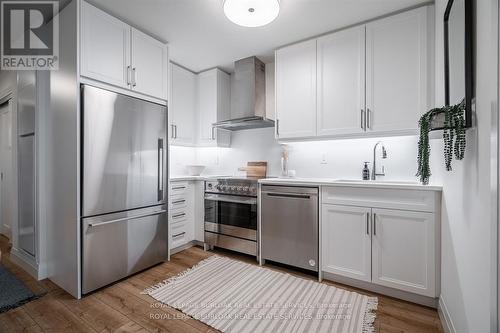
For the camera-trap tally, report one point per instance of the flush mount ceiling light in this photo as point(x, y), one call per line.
point(251, 13)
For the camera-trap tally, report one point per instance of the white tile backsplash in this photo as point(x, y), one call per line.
point(322, 159)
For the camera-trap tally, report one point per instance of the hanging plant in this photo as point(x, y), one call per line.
point(453, 137)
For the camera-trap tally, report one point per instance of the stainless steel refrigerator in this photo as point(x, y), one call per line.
point(124, 197)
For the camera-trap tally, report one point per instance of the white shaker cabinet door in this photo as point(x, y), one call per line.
point(296, 90)
point(397, 71)
point(341, 82)
point(182, 106)
point(149, 65)
point(403, 250)
point(207, 107)
point(105, 47)
point(346, 241)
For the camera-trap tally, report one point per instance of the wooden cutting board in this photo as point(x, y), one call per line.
point(255, 169)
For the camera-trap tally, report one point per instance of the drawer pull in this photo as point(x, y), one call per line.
point(178, 202)
point(178, 187)
point(127, 218)
point(178, 235)
point(178, 215)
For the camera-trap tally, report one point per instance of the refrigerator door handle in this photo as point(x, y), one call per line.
point(128, 218)
point(160, 169)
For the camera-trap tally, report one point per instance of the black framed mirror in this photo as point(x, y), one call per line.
point(458, 53)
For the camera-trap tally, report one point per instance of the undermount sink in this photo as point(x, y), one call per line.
point(393, 182)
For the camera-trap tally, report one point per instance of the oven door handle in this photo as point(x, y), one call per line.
point(231, 198)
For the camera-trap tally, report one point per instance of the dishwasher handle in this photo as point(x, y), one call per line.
point(289, 195)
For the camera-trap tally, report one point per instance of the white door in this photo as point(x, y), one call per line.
point(403, 251)
point(207, 107)
point(346, 241)
point(397, 71)
point(149, 65)
point(341, 82)
point(105, 47)
point(296, 90)
point(182, 105)
point(6, 189)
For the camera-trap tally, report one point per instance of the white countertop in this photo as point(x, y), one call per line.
point(389, 184)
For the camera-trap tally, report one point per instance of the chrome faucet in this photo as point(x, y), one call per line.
point(384, 156)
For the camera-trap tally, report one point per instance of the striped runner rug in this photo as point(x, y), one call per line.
point(233, 296)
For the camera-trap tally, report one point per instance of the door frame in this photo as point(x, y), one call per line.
point(7, 99)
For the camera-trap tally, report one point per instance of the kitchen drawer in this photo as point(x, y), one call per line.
point(177, 215)
point(120, 244)
point(179, 235)
point(178, 201)
point(178, 188)
point(414, 200)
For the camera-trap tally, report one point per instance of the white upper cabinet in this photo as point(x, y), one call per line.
point(296, 90)
point(404, 250)
point(105, 53)
point(213, 91)
point(370, 80)
point(115, 53)
point(182, 104)
point(346, 241)
point(397, 68)
point(149, 65)
point(341, 82)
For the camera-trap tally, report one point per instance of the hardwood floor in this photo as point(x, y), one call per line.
point(122, 308)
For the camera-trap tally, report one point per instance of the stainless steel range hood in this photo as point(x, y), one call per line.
point(248, 97)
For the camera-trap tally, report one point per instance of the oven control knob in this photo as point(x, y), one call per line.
point(233, 188)
point(240, 188)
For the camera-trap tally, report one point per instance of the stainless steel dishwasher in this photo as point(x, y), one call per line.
point(289, 225)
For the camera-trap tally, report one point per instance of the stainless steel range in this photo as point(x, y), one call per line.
point(231, 214)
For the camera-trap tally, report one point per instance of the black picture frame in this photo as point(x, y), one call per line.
point(469, 61)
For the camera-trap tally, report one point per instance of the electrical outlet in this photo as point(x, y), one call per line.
point(323, 159)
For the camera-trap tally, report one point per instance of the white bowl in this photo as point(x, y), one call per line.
point(195, 170)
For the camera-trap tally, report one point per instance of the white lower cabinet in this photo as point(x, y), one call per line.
point(376, 243)
point(403, 250)
point(346, 241)
point(181, 214)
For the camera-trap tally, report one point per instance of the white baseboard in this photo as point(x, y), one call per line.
point(445, 317)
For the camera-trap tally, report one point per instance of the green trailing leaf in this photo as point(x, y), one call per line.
point(453, 137)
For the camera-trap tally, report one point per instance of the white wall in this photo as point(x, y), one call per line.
point(466, 223)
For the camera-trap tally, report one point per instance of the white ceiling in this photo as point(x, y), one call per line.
point(201, 37)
